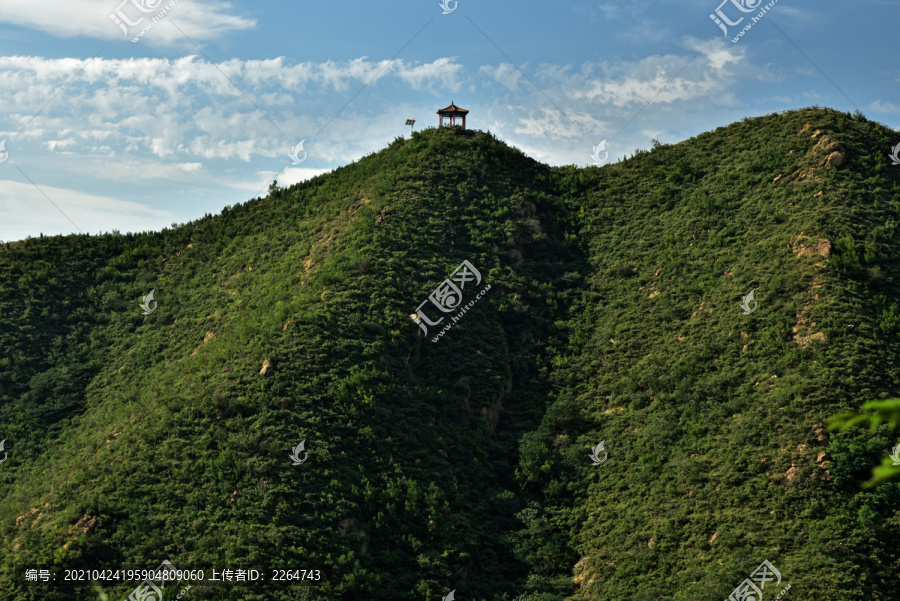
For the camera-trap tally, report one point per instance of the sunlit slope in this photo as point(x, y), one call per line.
point(714, 418)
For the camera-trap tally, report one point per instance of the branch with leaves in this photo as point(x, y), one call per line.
point(883, 413)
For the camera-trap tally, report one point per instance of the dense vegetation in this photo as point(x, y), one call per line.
point(462, 464)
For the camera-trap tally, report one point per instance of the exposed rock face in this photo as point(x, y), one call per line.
point(804, 340)
point(804, 330)
point(583, 576)
point(27, 514)
point(805, 246)
point(209, 336)
point(820, 435)
point(792, 473)
point(85, 525)
point(828, 155)
point(836, 157)
point(823, 462)
point(268, 368)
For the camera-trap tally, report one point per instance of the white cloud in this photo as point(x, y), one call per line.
point(198, 19)
point(718, 54)
point(170, 127)
point(444, 73)
point(551, 122)
point(143, 119)
point(24, 210)
point(506, 74)
point(652, 79)
point(185, 107)
point(566, 102)
point(295, 175)
point(884, 107)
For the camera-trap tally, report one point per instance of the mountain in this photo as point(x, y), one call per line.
point(583, 305)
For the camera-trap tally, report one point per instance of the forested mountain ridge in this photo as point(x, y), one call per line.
point(719, 458)
point(613, 314)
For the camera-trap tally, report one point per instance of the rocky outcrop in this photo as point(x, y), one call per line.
point(835, 157)
point(268, 368)
point(804, 246)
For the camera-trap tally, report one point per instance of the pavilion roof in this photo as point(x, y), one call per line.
point(452, 109)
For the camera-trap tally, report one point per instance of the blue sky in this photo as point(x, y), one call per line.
point(202, 111)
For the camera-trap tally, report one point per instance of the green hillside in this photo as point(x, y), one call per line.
point(718, 454)
point(610, 311)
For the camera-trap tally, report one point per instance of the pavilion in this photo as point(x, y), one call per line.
point(453, 114)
